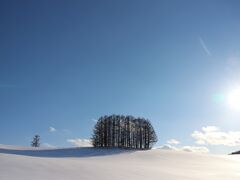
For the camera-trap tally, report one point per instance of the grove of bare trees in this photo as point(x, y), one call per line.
point(123, 131)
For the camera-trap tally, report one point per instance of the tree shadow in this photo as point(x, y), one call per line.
point(82, 152)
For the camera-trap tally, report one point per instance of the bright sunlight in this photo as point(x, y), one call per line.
point(233, 99)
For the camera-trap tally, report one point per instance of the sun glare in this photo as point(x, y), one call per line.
point(233, 99)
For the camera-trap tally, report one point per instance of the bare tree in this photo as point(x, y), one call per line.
point(36, 141)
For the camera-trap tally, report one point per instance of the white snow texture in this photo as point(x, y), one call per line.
point(19, 163)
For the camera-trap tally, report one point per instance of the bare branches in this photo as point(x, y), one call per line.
point(36, 141)
point(123, 131)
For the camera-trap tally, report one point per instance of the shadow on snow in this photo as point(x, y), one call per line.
point(68, 152)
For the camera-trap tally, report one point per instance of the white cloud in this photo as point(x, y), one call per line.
point(167, 147)
point(51, 129)
point(210, 128)
point(47, 145)
point(198, 149)
point(173, 141)
point(80, 142)
point(213, 135)
point(94, 120)
point(195, 149)
point(204, 46)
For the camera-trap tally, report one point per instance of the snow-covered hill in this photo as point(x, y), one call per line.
point(19, 163)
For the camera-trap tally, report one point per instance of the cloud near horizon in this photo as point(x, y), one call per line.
point(80, 142)
point(212, 135)
point(47, 145)
point(199, 149)
point(196, 149)
point(173, 141)
point(167, 147)
point(51, 129)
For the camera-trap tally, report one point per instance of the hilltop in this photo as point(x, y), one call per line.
point(106, 164)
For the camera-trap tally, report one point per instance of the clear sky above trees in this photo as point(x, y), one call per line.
point(63, 64)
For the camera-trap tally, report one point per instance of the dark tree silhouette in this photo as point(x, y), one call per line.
point(123, 131)
point(36, 141)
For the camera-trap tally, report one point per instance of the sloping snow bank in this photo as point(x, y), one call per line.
point(113, 164)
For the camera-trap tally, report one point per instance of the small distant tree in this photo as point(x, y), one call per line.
point(36, 141)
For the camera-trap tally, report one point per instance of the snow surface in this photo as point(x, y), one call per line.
point(20, 163)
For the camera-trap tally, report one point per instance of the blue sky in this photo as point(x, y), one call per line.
point(63, 64)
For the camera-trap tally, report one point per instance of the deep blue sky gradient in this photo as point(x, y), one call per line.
point(65, 63)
